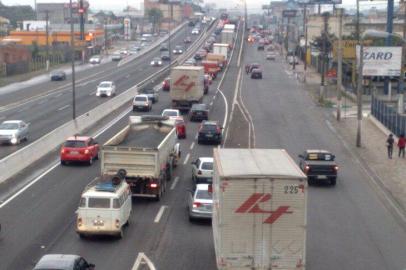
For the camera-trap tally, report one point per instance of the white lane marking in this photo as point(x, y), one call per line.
point(141, 260)
point(242, 44)
point(58, 95)
point(214, 97)
point(63, 108)
point(160, 213)
point(226, 111)
point(174, 182)
point(251, 121)
point(211, 103)
point(28, 185)
point(186, 159)
point(56, 162)
point(192, 145)
point(42, 101)
point(92, 93)
point(197, 135)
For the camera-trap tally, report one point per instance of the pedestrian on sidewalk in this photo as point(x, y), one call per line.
point(402, 145)
point(389, 144)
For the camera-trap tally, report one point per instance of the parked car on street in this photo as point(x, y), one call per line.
point(58, 75)
point(199, 112)
point(106, 89)
point(63, 262)
point(13, 131)
point(256, 73)
point(210, 131)
point(79, 149)
point(142, 102)
point(156, 62)
point(202, 170)
point(200, 202)
point(319, 166)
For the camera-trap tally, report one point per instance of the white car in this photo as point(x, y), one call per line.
point(106, 88)
point(13, 131)
point(200, 202)
point(178, 50)
point(202, 170)
point(171, 113)
point(96, 59)
point(195, 31)
point(142, 102)
point(290, 60)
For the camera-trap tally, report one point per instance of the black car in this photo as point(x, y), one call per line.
point(210, 131)
point(199, 112)
point(319, 166)
point(58, 75)
point(151, 93)
point(165, 56)
point(256, 73)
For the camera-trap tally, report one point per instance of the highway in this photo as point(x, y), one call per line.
point(48, 105)
point(348, 225)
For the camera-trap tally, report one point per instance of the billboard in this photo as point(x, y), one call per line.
point(320, 2)
point(127, 29)
point(381, 61)
point(348, 47)
point(289, 13)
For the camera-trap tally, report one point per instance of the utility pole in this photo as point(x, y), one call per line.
point(324, 55)
point(359, 82)
point(72, 44)
point(340, 12)
point(169, 30)
point(388, 40)
point(305, 46)
point(81, 20)
point(402, 75)
point(47, 38)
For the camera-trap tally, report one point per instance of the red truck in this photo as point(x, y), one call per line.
point(211, 68)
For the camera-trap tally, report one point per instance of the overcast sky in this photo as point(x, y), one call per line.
point(116, 5)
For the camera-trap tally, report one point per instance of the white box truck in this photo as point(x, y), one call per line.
point(259, 210)
point(187, 86)
point(220, 48)
point(227, 37)
point(148, 150)
point(230, 27)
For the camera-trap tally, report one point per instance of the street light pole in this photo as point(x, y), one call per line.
point(305, 47)
point(340, 12)
point(72, 43)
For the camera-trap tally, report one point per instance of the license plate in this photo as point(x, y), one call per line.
point(321, 177)
point(209, 135)
point(199, 113)
point(74, 153)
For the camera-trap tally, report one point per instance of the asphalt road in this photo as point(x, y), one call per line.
point(47, 106)
point(42, 219)
point(348, 225)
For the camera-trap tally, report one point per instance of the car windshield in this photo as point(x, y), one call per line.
point(105, 85)
point(210, 127)
point(170, 113)
point(75, 144)
point(207, 166)
point(157, 59)
point(320, 156)
point(203, 194)
point(9, 126)
point(199, 107)
point(178, 47)
point(98, 203)
point(141, 99)
point(148, 91)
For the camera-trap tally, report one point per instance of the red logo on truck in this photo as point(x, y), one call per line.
point(251, 205)
point(182, 81)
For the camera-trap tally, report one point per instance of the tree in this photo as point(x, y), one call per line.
point(154, 15)
point(17, 13)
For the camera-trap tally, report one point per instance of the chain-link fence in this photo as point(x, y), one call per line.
point(386, 113)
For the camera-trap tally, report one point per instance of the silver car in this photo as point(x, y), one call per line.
point(63, 262)
point(202, 170)
point(200, 202)
point(13, 131)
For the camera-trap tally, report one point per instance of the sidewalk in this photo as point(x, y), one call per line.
point(389, 174)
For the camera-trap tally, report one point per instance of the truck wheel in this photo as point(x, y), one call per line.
point(120, 235)
point(333, 181)
point(63, 163)
point(310, 181)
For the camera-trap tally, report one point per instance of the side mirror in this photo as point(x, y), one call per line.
point(301, 156)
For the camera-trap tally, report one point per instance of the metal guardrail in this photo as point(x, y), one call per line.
point(21, 159)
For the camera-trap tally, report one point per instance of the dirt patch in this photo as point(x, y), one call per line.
point(237, 131)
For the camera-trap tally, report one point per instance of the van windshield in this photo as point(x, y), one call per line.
point(98, 202)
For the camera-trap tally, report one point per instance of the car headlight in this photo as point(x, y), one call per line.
point(109, 94)
point(97, 93)
point(14, 139)
point(152, 63)
point(174, 51)
point(159, 63)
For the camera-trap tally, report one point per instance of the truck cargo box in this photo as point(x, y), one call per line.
point(259, 213)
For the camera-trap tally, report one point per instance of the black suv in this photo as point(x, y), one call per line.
point(199, 112)
point(210, 131)
point(319, 166)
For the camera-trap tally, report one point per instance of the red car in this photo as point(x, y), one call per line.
point(166, 84)
point(180, 128)
point(79, 149)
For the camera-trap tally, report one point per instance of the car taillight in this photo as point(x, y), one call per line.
point(87, 151)
point(197, 204)
point(154, 185)
point(79, 222)
point(336, 168)
point(117, 223)
point(306, 169)
point(63, 151)
point(146, 103)
point(199, 172)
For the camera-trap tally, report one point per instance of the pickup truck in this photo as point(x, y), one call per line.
point(319, 166)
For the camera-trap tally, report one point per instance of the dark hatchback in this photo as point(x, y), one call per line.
point(209, 132)
point(58, 75)
point(199, 112)
point(256, 73)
